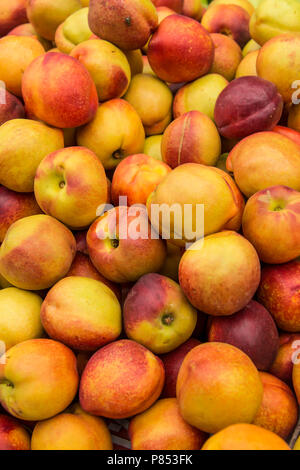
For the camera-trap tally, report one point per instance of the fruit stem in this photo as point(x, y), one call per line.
point(167, 319)
point(118, 154)
point(115, 243)
point(6, 382)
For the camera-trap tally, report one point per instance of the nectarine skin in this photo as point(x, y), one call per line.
point(23, 145)
point(16, 54)
point(116, 132)
point(278, 292)
point(247, 66)
point(12, 434)
point(128, 258)
point(108, 66)
point(70, 185)
point(245, 437)
point(15, 206)
point(82, 266)
point(175, 5)
point(163, 428)
point(29, 257)
point(252, 330)
point(152, 99)
point(228, 55)
point(13, 14)
point(248, 5)
point(47, 15)
point(247, 105)
point(191, 138)
point(279, 62)
point(265, 211)
point(272, 18)
point(82, 313)
point(278, 411)
point(218, 385)
point(45, 387)
point(11, 109)
point(136, 177)
point(121, 380)
point(59, 90)
point(135, 59)
point(289, 132)
point(265, 159)
point(128, 24)
point(180, 50)
point(27, 29)
point(199, 95)
point(172, 362)
point(230, 19)
point(73, 31)
point(157, 314)
point(282, 366)
point(72, 430)
point(194, 184)
point(20, 319)
point(220, 288)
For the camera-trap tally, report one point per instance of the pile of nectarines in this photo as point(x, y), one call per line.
point(149, 224)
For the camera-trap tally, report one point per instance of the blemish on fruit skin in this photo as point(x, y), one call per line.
point(128, 21)
point(167, 320)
